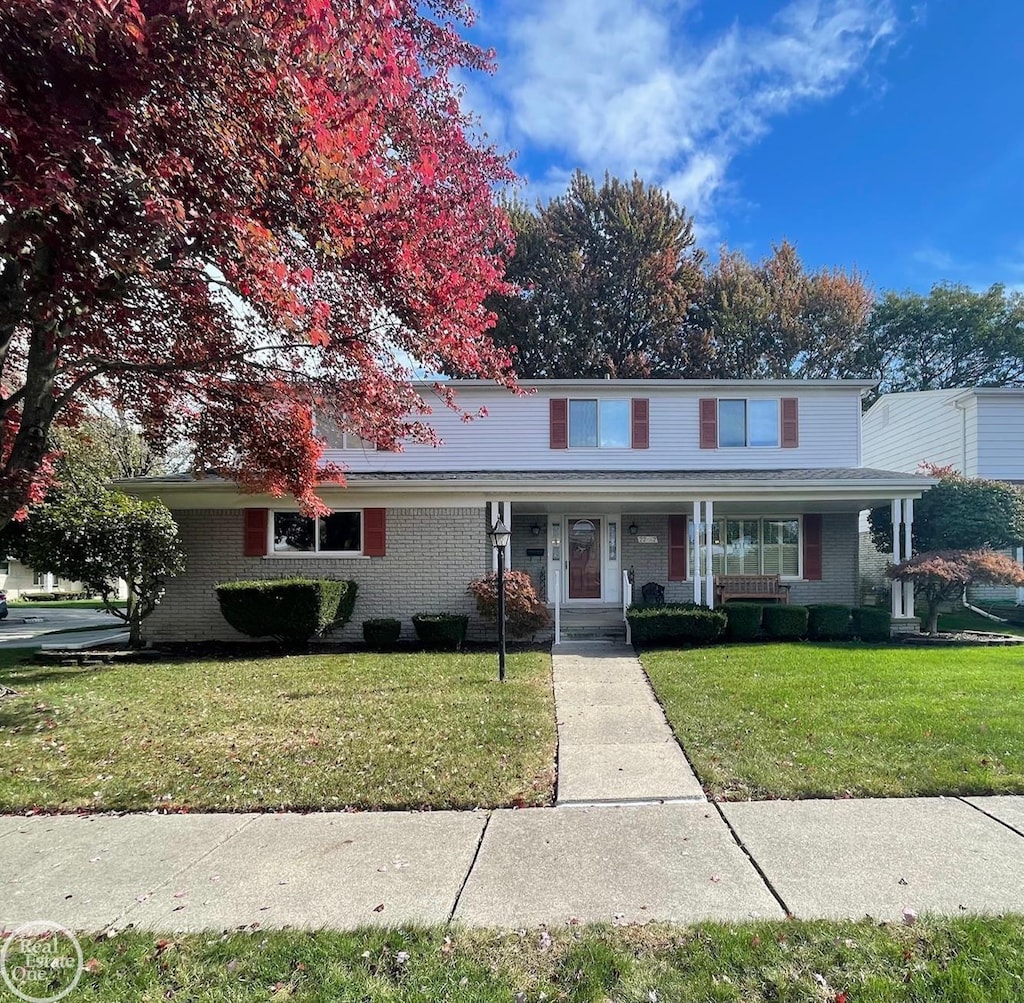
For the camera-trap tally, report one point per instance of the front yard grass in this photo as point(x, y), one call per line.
point(968, 959)
point(830, 720)
point(306, 731)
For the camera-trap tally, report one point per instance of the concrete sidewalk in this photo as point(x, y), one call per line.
point(675, 862)
point(614, 744)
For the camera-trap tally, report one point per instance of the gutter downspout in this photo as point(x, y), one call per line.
point(980, 612)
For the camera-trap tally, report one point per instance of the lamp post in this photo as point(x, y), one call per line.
point(499, 535)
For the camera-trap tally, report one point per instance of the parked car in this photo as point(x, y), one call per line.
point(3, 605)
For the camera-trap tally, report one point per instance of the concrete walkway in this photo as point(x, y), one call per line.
point(614, 744)
point(672, 862)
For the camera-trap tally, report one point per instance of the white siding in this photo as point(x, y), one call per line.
point(901, 431)
point(515, 434)
point(1000, 436)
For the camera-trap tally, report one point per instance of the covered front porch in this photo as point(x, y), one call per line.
point(590, 556)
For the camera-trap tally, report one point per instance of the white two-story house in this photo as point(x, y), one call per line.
point(978, 431)
point(602, 482)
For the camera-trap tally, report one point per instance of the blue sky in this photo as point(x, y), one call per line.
point(880, 134)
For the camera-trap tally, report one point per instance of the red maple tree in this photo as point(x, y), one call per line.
point(221, 215)
point(942, 576)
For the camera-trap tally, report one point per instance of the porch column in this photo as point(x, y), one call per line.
point(1020, 591)
point(908, 550)
point(709, 581)
point(499, 510)
point(897, 587)
point(696, 552)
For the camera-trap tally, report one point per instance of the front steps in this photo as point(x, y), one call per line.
point(597, 623)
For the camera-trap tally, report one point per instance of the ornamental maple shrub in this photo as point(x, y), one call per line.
point(290, 610)
point(525, 613)
point(943, 576)
point(220, 217)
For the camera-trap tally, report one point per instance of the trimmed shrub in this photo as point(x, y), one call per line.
point(291, 610)
point(785, 623)
point(524, 611)
point(872, 623)
point(382, 632)
point(675, 623)
point(744, 620)
point(828, 623)
point(441, 631)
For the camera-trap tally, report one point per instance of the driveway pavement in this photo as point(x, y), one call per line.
point(28, 628)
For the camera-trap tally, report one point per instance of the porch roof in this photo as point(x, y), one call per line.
point(852, 487)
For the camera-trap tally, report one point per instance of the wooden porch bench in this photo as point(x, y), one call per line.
point(765, 588)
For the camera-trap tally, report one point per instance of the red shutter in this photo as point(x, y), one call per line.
point(677, 548)
point(640, 437)
point(256, 522)
point(812, 548)
point(375, 535)
point(558, 414)
point(790, 423)
point(708, 423)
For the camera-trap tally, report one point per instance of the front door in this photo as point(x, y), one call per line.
point(584, 539)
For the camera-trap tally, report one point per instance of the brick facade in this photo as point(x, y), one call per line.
point(432, 554)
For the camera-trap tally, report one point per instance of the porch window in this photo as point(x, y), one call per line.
point(752, 546)
point(748, 423)
point(601, 423)
point(781, 547)
point(337, 533)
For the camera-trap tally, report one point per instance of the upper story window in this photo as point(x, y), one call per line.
point(601, 423)
point(337, 533)
point(748, 423)
point(338, 438)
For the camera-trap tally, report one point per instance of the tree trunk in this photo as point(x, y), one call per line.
point(932, 624)
point(134, 620)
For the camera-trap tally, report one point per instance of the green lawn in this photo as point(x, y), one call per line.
point(968, 960)
point(827, 720)
point(964, 619)
point(306, 731)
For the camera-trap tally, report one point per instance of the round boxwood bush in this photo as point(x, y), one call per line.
point(872, 623)
point(382, 632)
point(828, 622)
point(785, 623)
point(441, 631)
point(744, 620)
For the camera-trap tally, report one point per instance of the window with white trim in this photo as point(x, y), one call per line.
point(338, 438)
point(337, 533)
point(745, 422)
point(603, 424)
point(753, 546)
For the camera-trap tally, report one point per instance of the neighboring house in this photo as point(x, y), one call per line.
point(19, 581)
point(597, 479)
point(977, 431)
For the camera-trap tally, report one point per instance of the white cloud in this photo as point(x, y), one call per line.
point(633, 85)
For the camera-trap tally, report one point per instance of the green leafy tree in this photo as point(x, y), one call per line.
point(606, 276)
point(774, 319)
point(101, 537)
point(953, 337)
point(942, 576)
point(958, 513)
point(101, 449)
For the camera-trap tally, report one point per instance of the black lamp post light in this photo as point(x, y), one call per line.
point(499, 535)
